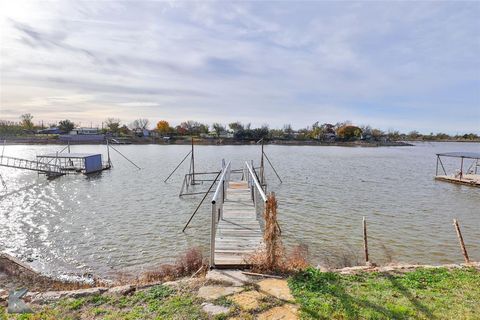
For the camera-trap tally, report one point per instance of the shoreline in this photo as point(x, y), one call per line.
point(212, 142)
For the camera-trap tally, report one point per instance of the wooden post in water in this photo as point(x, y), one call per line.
point(461, 170)
point(460, 239)
point(365, 241)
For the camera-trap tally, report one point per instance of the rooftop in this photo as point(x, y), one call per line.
point(459, 154)
point(68, 155)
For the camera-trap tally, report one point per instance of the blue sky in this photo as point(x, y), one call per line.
point(393, 65)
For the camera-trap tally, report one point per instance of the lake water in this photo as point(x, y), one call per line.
point(127, 219)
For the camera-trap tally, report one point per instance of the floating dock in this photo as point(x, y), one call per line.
point(236, 231)
point(77, 162)
point(59, 164)
point(469, 177)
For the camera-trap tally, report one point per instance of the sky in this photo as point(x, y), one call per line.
point(393, 65)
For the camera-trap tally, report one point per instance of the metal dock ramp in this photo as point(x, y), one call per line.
point(236, 232)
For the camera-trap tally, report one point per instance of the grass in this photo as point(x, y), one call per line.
point(422, 294)
point(158, 302)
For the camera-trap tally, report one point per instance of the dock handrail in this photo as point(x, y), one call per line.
point(19, 163)
point(252, 178)
point(217, 206)
point(224, 178)
point(255, 186)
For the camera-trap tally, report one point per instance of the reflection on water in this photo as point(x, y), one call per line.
point(127, 218)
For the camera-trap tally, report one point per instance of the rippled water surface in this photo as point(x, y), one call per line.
point(126, 219)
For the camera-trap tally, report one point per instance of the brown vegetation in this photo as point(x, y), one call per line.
point(191, 262)
point(274, 258)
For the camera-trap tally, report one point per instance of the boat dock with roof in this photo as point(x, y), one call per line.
point(76, 162)
point(468, 172)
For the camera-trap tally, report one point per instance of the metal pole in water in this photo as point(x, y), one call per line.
point(262, 168)
point(108, 155)
point(3, 148)
point(193, 164)
point(198, 207)
point(186, 156)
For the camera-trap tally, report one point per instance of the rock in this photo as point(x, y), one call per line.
point(285, 312)
point(178, 283)
point(234, 278)
point(214, 310)
point(248, 300)
point(48, 296)
point(3, 297)
point(121, 290)
point(276, 288)
point(215, 292)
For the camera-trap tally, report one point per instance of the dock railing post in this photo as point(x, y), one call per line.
point(212, 235)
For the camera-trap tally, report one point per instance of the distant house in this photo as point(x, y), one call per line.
point(226, 135)
point(84, 131)
point(50, 131)
point(141, 132)
point(329, 136)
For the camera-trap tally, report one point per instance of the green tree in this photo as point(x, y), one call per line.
point(349, 132)
point(235, 126)
point(218, 128)
point(112, 125)
point(66, 125)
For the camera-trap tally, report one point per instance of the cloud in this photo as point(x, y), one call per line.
point(396, 64)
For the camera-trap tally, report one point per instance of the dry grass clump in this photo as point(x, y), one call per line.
point(274, 258)
point(191, 262)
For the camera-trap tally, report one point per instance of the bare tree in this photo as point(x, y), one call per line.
point(139, 124)
point(27, 122)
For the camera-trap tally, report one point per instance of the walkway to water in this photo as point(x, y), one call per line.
point(236, 232)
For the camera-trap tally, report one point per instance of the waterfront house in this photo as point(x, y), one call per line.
point(84, 131)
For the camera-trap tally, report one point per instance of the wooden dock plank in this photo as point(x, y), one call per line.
point(238, 232)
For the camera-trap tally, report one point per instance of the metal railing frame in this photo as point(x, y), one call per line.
point(254, 184)
point(217, 206)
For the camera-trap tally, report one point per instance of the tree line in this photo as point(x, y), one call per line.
point(340, 131)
